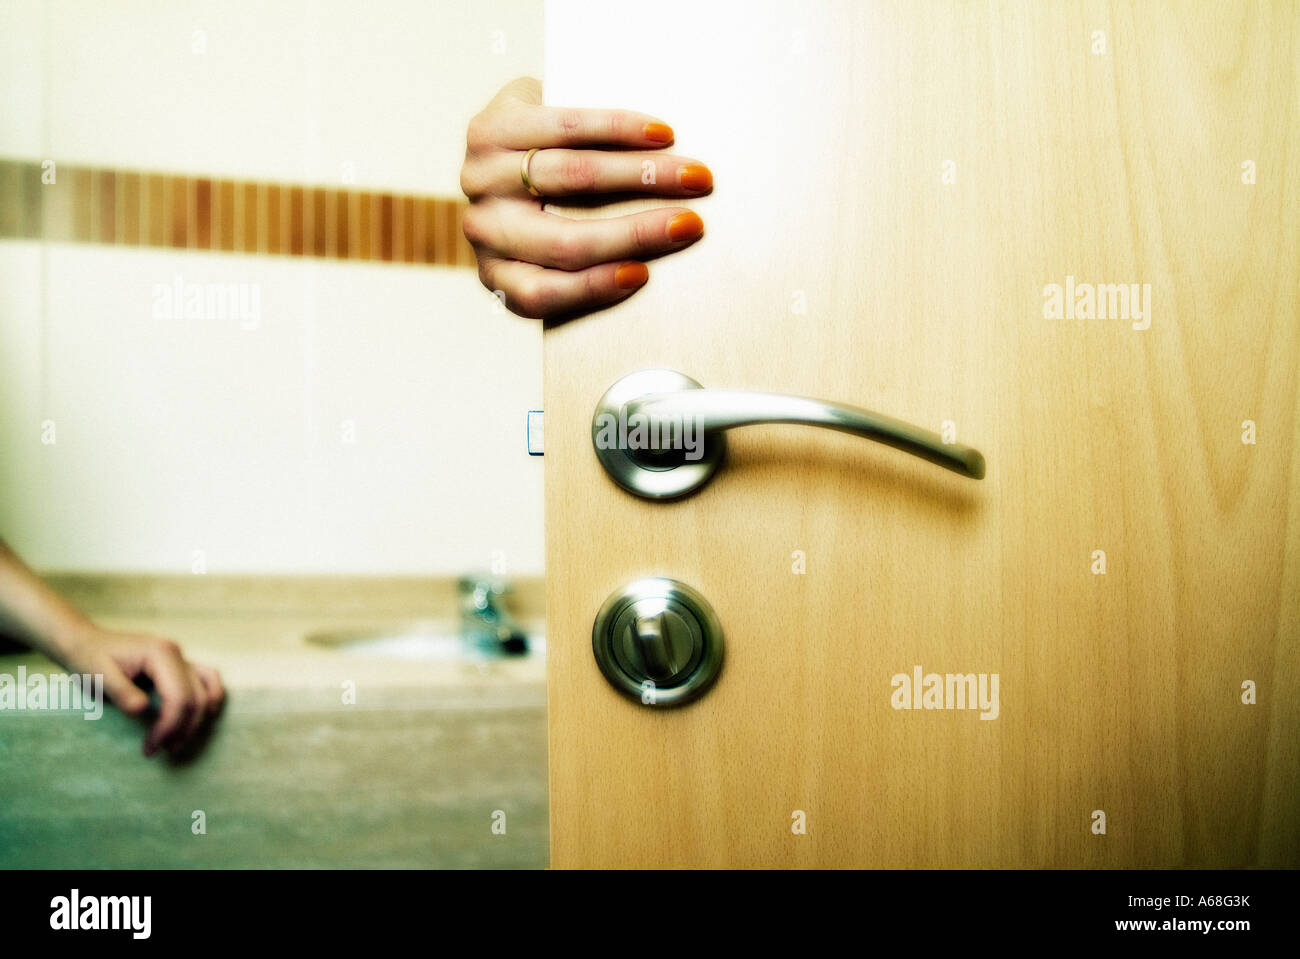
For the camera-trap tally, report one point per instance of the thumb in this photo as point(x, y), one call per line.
point(126, 695)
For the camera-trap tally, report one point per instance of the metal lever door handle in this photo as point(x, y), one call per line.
point(659, 434)
point(726, 409)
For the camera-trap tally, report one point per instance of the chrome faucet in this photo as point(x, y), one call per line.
point(485, 623)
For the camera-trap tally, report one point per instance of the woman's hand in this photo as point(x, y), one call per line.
point(30, 610)
point(190, 693)
point(547, 265)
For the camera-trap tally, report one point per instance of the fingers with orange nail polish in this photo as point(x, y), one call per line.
point(695, 177)
point(630, 275)
point(658, 132)
point(685, 226)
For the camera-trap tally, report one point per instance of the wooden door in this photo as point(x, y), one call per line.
point(899, 188)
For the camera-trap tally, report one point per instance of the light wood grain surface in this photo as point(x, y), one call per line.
point(828, 128)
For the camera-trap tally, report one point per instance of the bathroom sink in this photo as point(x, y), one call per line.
point(418, 641)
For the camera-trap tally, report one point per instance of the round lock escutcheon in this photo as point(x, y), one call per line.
point(653, 474)
point(658, 641)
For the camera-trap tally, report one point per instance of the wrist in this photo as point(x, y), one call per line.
point(71, 637)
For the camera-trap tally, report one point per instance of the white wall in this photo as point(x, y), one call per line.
point(175, 436)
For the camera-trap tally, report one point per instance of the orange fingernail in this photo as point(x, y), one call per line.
point(695, 176)
point(631, 275)
point(659, 132)
point(685, 226)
